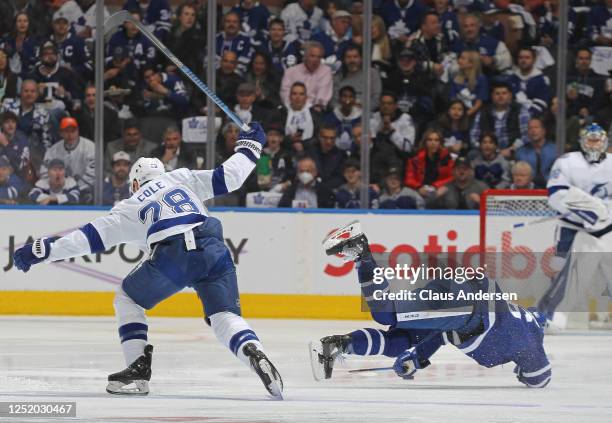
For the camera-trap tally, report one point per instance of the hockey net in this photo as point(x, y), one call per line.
point(517, 243)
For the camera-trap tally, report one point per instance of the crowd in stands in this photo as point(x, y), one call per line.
point(463, 97)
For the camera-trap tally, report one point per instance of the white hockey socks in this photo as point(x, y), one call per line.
point(234, 332)
point(132, 324)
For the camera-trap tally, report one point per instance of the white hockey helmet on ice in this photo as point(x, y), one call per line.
point(144, 170)
point(593, 142)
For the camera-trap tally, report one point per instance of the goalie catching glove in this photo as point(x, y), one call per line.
point(250, 143)
point(591, 210)
point(34, 253)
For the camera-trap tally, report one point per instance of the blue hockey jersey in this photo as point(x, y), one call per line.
point(141, 50)
point(74, 52)
point(156, 16)
point(254, 20)
point(282, 58)
point(402, 20)
point(241, 45)
point(600, 22)
point(532, 90)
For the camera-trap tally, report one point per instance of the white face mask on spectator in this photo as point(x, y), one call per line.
point(305, 177)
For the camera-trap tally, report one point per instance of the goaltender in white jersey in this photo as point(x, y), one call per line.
point(580, 189)
point(166, 217)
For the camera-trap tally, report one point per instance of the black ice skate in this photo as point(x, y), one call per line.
point(323, 354)
point(265, 370)
point(349, 241)
point(135, 379)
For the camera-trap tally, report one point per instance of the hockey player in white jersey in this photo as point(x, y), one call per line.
point(580, 189)
point(165, 217)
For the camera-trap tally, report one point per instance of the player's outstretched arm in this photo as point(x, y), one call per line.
point(230, 175)
point(95, 237)
point(416, 358)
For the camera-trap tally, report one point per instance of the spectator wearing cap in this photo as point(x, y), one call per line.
point(299, 119)
point(345, 116)
point(302, 19)
point(431, 45)
point(530, 86)
point(431, 168)
point(390, 124)
point(184, 35)
point(253, 17)
point(463, 191)
point(348, 195)
point(351, 74)
point(230, 38)
point(131, 142)
point(490, 166)
point(469, 84)
point(33, 118)
point(11, 185)
point(172, 152)
point(115, 186)
point(73, 51)
point(274, 170)
point(522, 176)
point(505, 117)
point(164, 94)
point(246, 109)
point(8, 80)
point(156, 15)
point(68, 8)
point(383, 155)
point(494, 54)
point(413, 86)
point(403, 17)
point(316, 76)
point(307, 191)
point(22, 45)
point(120, 70)
point(266, 81)
point(336, 40)
point(328, 157)
point(14, 144)
point(283, 50)
point(56, 187)
point(538, 151)
point(396, 196)
point(58, 86)
point(140, 49)
point(86, 113)
point(78, 155)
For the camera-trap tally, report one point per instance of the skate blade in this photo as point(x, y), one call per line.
point(273, 384)
point(138, 387)
point(318, 373)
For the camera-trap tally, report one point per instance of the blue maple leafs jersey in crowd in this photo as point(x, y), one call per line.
point(402, 20)
point(240, 44)
point(284, 57)
point(74, 52)
point(168, 205)
point(254, 20)
point(532, 90)
point(141, 50)
point(155, 16)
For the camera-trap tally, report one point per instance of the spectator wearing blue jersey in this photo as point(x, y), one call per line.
point(156, 15)
point(455, 126)
point(449, 22)
point(345, 116)
point(21, 45)
point(539, 152)
point(10, 184)
point(283, 49)
point(348, 195)
point(494, 54)
point(302, 19)
point(73, 51)
point(599, 24)
point(14, 144)
point(56, 188)
point(253, 15)
point(402, 17)
point(470, 85)
point(490, 166)
point(336, 40)
point(231, 39)
point(140, 50)
point(548, 25)
point(530, 86)
point(164, 94)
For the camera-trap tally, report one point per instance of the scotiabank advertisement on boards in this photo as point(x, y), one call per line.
point(274, 252)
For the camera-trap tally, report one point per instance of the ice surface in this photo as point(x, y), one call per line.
point(195, 379)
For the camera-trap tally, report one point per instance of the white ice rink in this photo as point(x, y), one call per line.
point(195, 379)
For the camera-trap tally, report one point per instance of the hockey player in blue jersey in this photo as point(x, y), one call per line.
point(165, 217)
point(491, 332)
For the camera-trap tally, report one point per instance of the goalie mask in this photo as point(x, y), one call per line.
point(144, 170)
point(594, 143)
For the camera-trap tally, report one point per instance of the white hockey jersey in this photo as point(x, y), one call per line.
point(573, 170)
point(168, 205)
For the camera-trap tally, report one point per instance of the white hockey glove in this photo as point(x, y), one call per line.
point(591, 210)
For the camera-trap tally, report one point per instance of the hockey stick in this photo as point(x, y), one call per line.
point(371, 369)
point(118, 18)
point(538, 221)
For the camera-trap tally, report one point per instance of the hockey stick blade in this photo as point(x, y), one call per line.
point(113, 21)
point(126, 16)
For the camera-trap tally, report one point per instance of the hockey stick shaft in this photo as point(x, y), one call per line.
point(124, 15)
point(371, 369)
point(538, 221)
